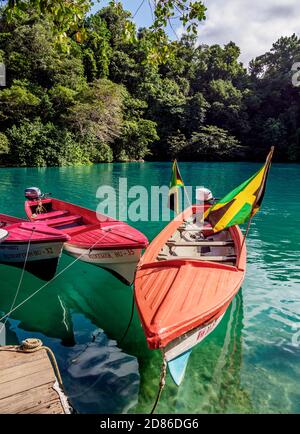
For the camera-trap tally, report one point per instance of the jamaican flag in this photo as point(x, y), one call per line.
point(242, 203)
point(175, 183)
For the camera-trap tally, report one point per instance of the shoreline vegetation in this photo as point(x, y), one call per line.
point(94, 96)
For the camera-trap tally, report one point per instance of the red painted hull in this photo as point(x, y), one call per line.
point(41, 244)
point(176, 296)
point(94, 238)
point(21, 231)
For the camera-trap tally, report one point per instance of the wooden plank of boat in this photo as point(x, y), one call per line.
point(179, 297)
point(94, 238)
point(201, 243)
point(210, 258)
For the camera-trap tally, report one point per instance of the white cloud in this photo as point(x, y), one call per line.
point(254, 25)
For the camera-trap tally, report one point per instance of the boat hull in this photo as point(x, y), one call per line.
point(42, 258)
point(16, 253)
point(94, 238)
point(122, 262)
point(178, 352)
point(186, 342)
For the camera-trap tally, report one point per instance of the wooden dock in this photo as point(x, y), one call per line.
point(28, 383)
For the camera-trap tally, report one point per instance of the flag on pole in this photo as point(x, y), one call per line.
point(175, 183)
point(242, 203)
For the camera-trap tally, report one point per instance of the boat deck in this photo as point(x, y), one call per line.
point(28, 384)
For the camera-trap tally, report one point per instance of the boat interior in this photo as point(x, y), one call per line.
point(59, 219)
point(84, 226)
point(7, 220)
point(192, 241)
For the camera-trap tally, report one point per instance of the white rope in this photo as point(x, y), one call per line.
point(55, 277)
point(21, 279)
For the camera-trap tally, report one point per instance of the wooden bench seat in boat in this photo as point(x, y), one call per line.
point(174, 243)
point(231, 258)
point(64, 221)
point(194, 229)
point(78, 229)
point(51, 215)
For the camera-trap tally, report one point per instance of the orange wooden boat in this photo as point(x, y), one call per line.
point(184, 283)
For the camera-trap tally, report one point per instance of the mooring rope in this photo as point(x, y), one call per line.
point(162, 382)
point(130, 321)
point(54, 278)
point(21, 279)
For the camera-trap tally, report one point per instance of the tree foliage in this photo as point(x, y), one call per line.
point(107, 91)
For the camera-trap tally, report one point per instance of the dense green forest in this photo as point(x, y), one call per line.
point(90, 94)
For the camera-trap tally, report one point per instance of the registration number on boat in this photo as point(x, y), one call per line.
point(112, 254)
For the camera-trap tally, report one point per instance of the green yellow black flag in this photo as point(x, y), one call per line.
point(175, 183)
point(242, 203)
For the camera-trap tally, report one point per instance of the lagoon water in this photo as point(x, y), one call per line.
point(250, 363)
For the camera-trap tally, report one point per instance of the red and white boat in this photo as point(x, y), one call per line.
point(41, 244)
point(94, 238)
point(184, 283)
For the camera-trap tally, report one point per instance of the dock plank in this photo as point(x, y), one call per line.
point(10, 357)
point(28, 399)
point(26, 383)
point(21, 371)
point(51, 408)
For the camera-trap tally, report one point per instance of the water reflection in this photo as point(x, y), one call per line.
point(212, 383)
point(251, 361)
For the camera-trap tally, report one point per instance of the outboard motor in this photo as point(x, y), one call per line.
point(33, 193)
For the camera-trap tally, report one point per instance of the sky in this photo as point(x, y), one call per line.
point(254, 25)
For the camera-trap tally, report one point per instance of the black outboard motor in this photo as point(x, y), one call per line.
point(33, 193)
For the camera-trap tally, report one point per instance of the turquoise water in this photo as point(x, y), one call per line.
point(250, 363)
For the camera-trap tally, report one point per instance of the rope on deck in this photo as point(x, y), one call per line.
point(32, 345)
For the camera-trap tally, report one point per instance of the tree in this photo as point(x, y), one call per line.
point(137, 134)
point(96, 47)
point(213, 143)
point(97, 111)
point(38, 144)
point(17, 102)
point(66, 15)
point(273, 104)
point(103, 90)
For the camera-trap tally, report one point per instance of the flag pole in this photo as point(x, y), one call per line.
point(247, 231)
point(184, 187)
